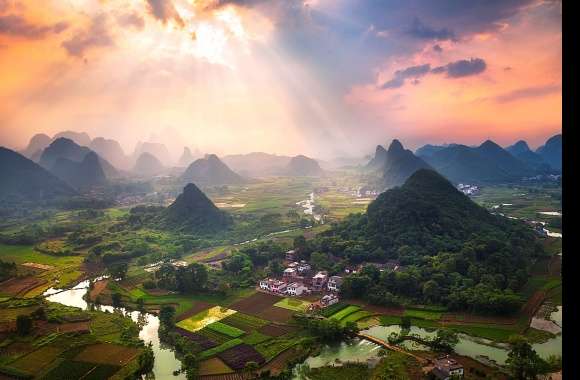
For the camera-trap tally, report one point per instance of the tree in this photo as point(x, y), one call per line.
point(250, 368)
point(445, 340)
point(523, 362)
point(23, 325)
point(116, 299)
point(118, 271)
point(406, 323)
point(146, 361)
point(140, 303)
point(320, 261)
point(190, 366)
point(166, 314)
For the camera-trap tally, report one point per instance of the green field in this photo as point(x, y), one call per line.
point(205, 318)
point(293, 304)
point(225, 329)
point(345, 312)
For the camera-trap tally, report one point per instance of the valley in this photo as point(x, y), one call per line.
point(268, 219)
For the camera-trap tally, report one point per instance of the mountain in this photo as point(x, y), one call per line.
point(193, 211)
point(23, 179)
point(186, 158)
point(148, 165)
point(551, 152)
point(429, 150)
point(488, 163)
point(37, 143)
point(438, 233)
point(522, 152)
point(211, 171)
point(257, 164)
point(110, 150)
point(399, 164)
point(158, 150)
point(80, 138)
point(79, 175)
point(67, 149)
point(302, 166)
point(378, 161)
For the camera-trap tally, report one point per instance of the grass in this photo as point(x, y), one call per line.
point(271, 348)
point(345, 312)
point(37, 360)
point(255, 338)
point(245, 322)
point(423, 314)
point(70, 369)
point(221, 348)
point(205, 318)
point(225, 329)
point(213, 366)
point(293, 304)
point(356, 316)
point(352, 371)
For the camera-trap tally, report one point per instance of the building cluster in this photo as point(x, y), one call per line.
point(468, 189)
point(298, 279)
point(446, 368)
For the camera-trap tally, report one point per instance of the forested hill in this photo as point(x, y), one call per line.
point(454, 252)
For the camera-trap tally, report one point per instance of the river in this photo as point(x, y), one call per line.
point(165, 360)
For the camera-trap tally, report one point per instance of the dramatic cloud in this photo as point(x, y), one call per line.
point(131, 19)
point(97, 35)
point(17, 26)
point(424, 32)
point(437, 49)
point(528, 92)
point(401, 76)
point(462, 68)
point(164, 10)
point(457, 69)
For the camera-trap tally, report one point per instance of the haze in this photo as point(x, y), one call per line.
point(319, 77)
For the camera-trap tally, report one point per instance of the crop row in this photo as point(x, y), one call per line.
point(225, 329)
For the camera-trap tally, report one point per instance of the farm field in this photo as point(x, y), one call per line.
point(205, 318)
point(293, 304)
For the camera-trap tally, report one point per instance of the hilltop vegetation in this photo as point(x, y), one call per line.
point(454, 251)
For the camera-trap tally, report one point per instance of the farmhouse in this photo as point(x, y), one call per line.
point(446, 368)
point(334, 283)
point(319, 280)
point(329, 299)
point(290, 255)
point(290, 272)
point(265, 284)
point(277, 286)
point(296, 289)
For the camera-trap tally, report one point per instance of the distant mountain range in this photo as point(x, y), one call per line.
point(77, 165)
point(211, 171)
point(257, 164)
point(394, 165)
point(490, 163)
point(302, 166)
point(25, 180)
point(147, 165)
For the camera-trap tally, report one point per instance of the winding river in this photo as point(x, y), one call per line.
point(165, 360)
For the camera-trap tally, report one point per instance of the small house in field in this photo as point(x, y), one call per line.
point(296, 289)
point(447, 368)
point(319, 280)
point(265, 284)
point(329, 299)
point(334, 283)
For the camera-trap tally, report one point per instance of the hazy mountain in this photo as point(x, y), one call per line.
point(80, 138)
point(399, 164)
point(257, 164)
point(160, 151)
point(379, 159)
point(211, 171)
point(37, 143)
point(302, 166)
point(23, 179)
point(193, 212)
point(429, 150)
point(86, 173)
point(487, 163)
point(111, 151)
point(551, 152)
point(67, 149)
point(148, 165)
point(522, 152)
point(186, 158)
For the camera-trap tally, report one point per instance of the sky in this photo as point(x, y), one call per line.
point(326, 78)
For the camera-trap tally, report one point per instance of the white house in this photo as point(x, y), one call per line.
point(334, 283)
point(265, 284)
point(446, 368)
point(290, 272)
point(296, 289)
point(319, 280)
point(329, 299)
point(278, 287)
